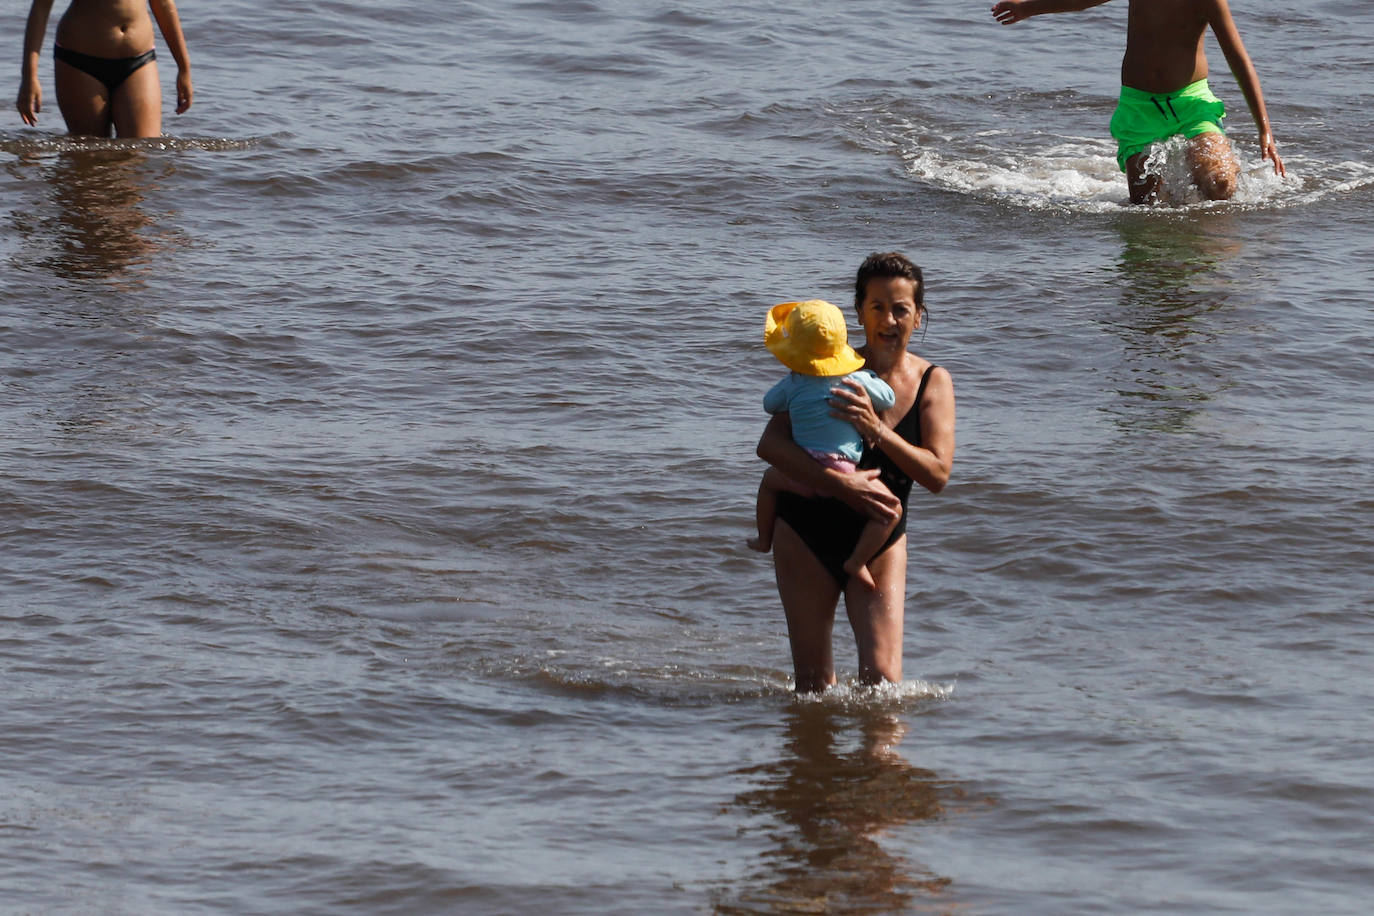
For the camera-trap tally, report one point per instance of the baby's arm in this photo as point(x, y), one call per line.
point(776, 400)
point(165, 12)
point(1011, 11)
point(1228, 37)
point(879, 391)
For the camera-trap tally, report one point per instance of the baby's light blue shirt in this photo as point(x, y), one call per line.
point(807, 399)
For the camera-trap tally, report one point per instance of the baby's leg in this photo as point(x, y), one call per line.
point(1214, 165)
point(766, 511)
point(871, 540)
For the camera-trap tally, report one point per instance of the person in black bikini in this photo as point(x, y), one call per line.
point(911, 442)
point(105, 68)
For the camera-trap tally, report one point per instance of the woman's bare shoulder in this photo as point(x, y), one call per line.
point(940, 379)
point(914, 369)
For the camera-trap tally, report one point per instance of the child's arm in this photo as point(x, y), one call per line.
point(775, 401)
point(1224, 28)
point(1010, 11)
point(879, 391)
point(30, 99)
point(165, 12)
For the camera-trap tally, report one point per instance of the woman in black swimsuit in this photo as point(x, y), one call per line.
point(911, 442)
point(105, 69)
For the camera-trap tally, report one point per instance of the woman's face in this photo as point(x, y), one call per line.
point(889, 313)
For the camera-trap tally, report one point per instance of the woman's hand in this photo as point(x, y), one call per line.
point(30, 101)
point(863, 492)
point(184, 92)
point(856, 407)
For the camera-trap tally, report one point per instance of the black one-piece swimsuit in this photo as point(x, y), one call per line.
point(828, 527)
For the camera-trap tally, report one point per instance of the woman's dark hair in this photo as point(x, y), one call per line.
point(890, 264)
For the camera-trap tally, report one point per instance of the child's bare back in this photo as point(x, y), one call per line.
point(1164, 45)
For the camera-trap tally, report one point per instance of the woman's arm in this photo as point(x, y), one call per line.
point(931, 463)
point(169, 23)
point(861, 490)
point(30, 98)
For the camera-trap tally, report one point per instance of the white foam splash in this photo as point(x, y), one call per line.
point(1081, 175)
point(853, 693)
point(1061, 177)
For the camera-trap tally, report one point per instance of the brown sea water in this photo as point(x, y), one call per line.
point(376, 459)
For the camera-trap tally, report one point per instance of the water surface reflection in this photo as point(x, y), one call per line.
point(90, 221)
point(1170, 288)
point(838, 785)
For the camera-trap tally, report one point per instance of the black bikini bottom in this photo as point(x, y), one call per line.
point(112, 71)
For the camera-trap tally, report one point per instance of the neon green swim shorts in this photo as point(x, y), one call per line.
point(1142, 118)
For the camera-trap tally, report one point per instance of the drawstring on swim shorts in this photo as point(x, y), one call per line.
point(1167, 101)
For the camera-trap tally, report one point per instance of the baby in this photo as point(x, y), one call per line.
point(810, 339)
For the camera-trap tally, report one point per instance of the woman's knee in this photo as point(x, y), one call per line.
point(877, 618)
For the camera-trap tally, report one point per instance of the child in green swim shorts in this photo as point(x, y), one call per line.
point(1144, 118)
point(1164, 91)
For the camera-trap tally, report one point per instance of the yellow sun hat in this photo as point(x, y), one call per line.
point(809, 337)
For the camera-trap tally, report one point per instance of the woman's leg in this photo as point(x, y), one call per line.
point(136, 105)
point(877, 615)
point(809, 595)
point(83, 101)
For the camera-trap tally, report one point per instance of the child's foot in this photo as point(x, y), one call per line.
point(860, 571)
point(760, 544)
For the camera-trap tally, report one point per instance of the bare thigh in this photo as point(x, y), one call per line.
point(809, 596)
point(877, 617)
point(83, 100)
point(137, 104)
point(1214, 166)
